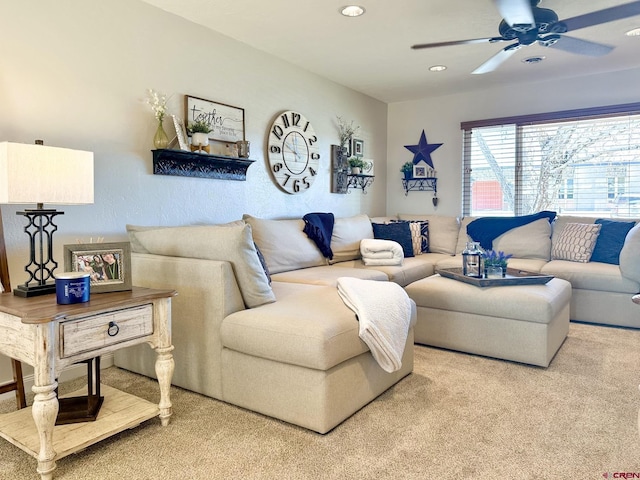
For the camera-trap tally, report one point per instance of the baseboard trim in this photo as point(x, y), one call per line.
point(70, 373)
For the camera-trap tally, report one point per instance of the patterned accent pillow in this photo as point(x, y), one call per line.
point(576, 242)
point(419, 235)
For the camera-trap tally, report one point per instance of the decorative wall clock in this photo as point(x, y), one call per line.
point(293, 152)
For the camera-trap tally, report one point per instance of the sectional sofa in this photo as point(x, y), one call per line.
point(274, 336)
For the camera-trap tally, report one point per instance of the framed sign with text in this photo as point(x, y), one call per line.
point(226, 121)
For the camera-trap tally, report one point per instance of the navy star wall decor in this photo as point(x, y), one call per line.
point(423, 150)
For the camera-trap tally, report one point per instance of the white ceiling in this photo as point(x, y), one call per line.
point(372, 54)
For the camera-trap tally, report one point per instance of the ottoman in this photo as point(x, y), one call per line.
point(521, 323)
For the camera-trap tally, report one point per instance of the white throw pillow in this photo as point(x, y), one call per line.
point(576, 242)
point(443, 231)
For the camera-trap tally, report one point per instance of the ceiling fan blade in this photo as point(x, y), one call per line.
point(456, 42)
point(497, 60)
point(603, 16)
point(578, 46)
point(516, 12)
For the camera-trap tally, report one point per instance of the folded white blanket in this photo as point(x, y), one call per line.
point(381, 252)
point(384, 312)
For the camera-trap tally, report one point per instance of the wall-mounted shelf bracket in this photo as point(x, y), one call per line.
point(360, 181)
point(426, 184)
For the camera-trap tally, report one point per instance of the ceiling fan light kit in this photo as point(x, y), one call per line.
point(633, 33)
point(526, 23)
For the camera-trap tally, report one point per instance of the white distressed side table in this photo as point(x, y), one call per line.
point(51, 337)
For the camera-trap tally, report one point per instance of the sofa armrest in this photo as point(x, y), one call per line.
point(629, 258)
point(207, 293)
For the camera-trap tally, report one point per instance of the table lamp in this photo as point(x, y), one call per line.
point(39, 174)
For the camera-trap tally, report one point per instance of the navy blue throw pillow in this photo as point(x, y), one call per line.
point(610, 241)
point(398, 232)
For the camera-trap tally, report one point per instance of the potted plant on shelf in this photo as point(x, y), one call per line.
point(356, 165)
point(199, 131)
point(407, 169)
point(495, 259)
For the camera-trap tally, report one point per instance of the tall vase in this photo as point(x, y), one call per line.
point(160, 139)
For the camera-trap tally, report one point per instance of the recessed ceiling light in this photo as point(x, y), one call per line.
point(437, 68)
point(352, 11)
point(633, 33)
point(533, 59)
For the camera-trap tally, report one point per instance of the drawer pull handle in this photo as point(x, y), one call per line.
point(113, 329)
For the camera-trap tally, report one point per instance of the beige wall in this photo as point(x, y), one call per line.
point(74, 73)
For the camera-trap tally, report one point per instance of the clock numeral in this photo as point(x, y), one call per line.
point(287, 177)
point(312, 172)
point(285, 120)
point(296, 185)
point(274, 149)
point(305, 127)
point(306, 182)
point(315, 156)
point(277, 167)
point(312, 140)
point(277, 131)
point(295, 117)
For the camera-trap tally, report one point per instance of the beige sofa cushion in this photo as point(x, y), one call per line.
point(284, 245)
point(443, 231)
point(528, 241)
point(230, 242)
point(347, 233)
point(292, 331)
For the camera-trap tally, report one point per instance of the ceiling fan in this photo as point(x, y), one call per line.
point(526, 23)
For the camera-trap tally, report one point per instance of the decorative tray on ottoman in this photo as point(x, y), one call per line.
point(513, 276)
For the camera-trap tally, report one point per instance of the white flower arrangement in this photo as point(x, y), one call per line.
point(158, 103)
point(346, 130)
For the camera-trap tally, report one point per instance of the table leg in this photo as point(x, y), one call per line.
point(164, 372)
point(45, 402)
point(164, 359)
point(44, 412)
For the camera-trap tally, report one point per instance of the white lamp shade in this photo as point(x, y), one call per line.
point(43, 174)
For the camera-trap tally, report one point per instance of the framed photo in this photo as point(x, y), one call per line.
point(181, 133)
point(420, 171)
point(109, 264)
point(226, 121)
point(358, 148)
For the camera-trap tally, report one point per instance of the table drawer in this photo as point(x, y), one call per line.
point(94, 332)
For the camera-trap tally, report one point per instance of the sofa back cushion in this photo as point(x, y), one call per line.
point(347, 233)
point(443, 231)
point(284, 245)
point(232, 243)
point(532, 240)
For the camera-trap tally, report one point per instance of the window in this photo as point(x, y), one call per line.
point(580, 162)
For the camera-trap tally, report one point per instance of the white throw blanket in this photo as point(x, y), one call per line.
point(384, 312)
point(381, 252)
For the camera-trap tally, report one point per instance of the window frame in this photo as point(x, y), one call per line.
point(520, 121)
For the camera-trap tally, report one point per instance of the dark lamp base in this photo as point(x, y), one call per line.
point(35, 290)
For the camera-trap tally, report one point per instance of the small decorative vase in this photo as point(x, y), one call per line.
point(160, 139)
point(355, 170)
point(408, 175)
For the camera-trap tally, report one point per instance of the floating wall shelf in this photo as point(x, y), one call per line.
point(202, 165)
point(359, 181)
point(420, 185)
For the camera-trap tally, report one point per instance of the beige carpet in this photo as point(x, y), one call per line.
point(457, 416)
